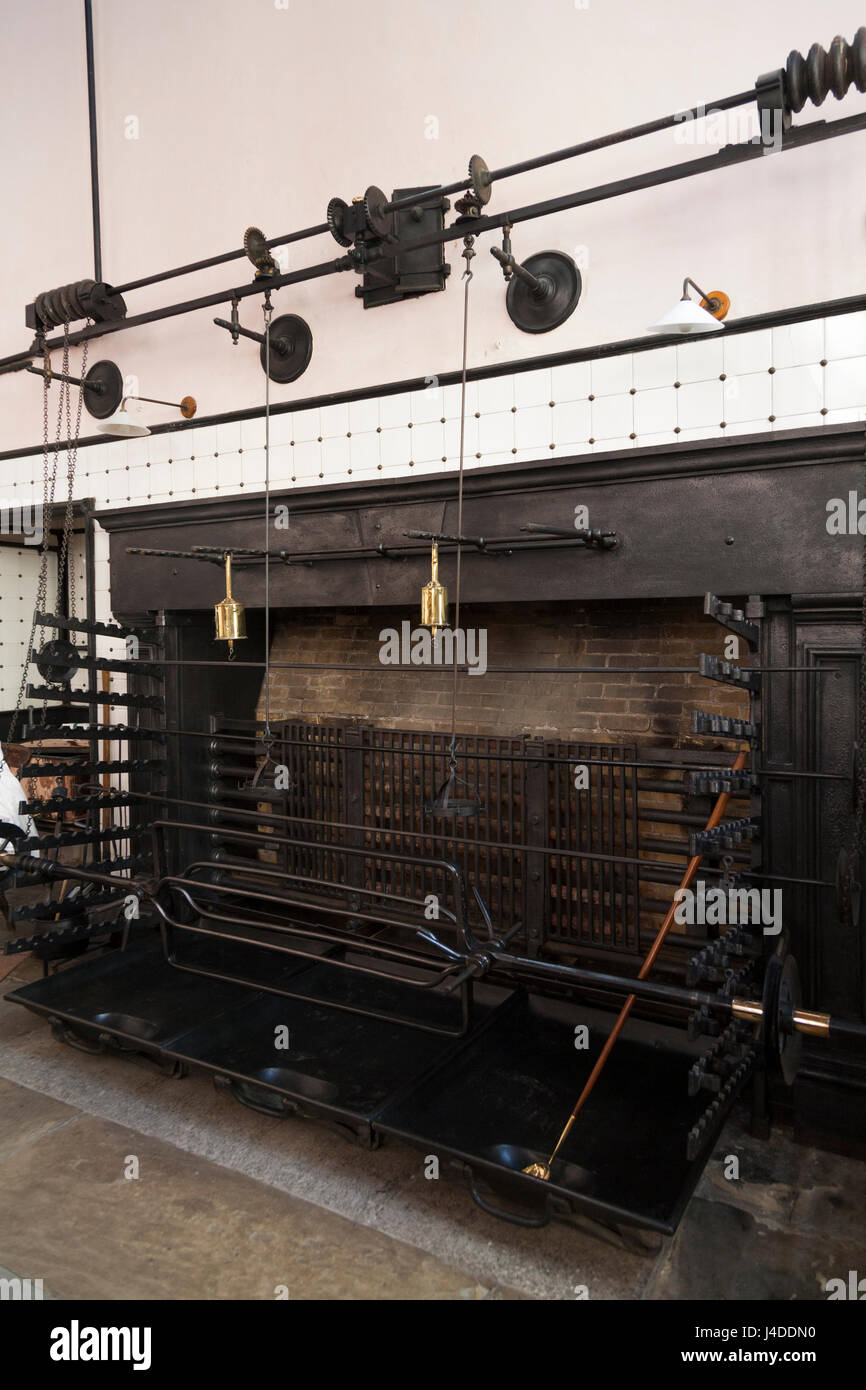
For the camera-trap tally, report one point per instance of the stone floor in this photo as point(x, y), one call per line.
point(231, 1204)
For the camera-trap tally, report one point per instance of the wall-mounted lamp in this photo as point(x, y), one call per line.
point(123, 424)
point(687, 316)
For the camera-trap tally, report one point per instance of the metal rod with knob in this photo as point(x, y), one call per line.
point(97, 386)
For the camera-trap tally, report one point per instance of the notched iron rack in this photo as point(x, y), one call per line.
point(71, 767)
point(734, 619)
point(723, 726)
point(726, 673)
point(714, 783)
point(95, 697)
point(64, 839)
point(117, 733)
point(58, 805)
point(717, 958)
point(729, 835)
point(116, 630)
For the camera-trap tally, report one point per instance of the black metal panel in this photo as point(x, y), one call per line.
point(738, 516)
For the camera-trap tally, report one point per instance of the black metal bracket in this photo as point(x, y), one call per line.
point(773, 114)
point(726, 673)
point(723, 726)
point(734, 619)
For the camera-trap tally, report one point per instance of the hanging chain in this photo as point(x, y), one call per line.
point(49, 486)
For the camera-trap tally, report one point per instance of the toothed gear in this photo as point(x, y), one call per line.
point(482, 187)
point(336, 210)
point(257, 250)
point(379, 222)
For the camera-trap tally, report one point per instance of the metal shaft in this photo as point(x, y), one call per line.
point(815, 131)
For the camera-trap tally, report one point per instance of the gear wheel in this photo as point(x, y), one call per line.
point(258, 251)
point(480, 176)
point(337, 210)
point(379, 221)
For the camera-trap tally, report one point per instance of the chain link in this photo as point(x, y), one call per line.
point(49, 486)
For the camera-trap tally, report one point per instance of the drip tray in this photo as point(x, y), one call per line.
point(132, 995)
point(491, 1102)
point(339, 1063)
point(503, 1102)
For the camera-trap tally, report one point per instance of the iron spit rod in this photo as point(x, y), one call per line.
point(485, 756)
point(494, 670)
point(218, 260)
point(552, 851)
point(600, 142)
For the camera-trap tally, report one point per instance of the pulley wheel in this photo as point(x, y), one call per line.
point(480, 176)
point(539, 311)
point(66, 304)
point(58, 661)
point(75, 302)
point(380, 222)
point(782, 995)
point(291, 348)
point(101, 404)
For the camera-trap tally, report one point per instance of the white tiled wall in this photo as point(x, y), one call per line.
point(806, 374)
point(19, 577)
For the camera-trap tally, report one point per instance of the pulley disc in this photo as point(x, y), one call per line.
point(291, 348)
point(782, 995)
point(101, 404)
point(58, 661)
point(539, 311)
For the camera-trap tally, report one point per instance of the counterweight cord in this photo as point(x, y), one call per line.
point(468, 253)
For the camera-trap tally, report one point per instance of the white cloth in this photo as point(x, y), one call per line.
point(11, 795)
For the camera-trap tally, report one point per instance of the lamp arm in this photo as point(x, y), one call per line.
point(710, 301)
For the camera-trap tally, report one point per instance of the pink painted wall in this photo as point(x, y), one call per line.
point(249, 111)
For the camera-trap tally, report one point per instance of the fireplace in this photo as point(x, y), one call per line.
point(443, 971)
